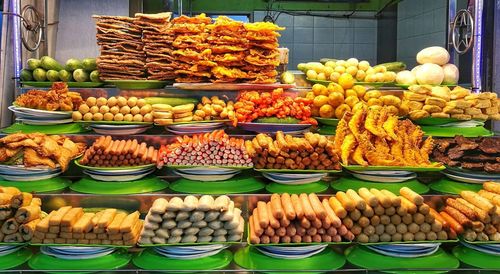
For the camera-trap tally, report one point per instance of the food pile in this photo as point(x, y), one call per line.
point(114, 109)
point(214, 108)
point(48, 69)
point(252, 105)
point(338, 71)
point(19, 214)
point(165, 114)
point(121, 55)
point(157, 39)
point(193, 220)
point(58, 97)
point(313, 152)
point(296, 219)
point(106, 152)
point(475, 215)
point(333, 101)
point(208, 149)
point(459, 103)
point(377, 138)
point(71, 225)
point(480, 154)
point(381, 216)
point(38, 149)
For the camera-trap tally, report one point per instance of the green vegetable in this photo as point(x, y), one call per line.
point(324, 60)
point(40, 75)
point(393, 66)
point(302, 66)
point(89, 64)
point(275, 120)
point(94, 76)
point(49, 63)
point(65, 76)
point(80, 75)
point(73, 64)
point(26, 75)
point(170, 101)
point(33, 63)
point(52, 76)
point(287, 78)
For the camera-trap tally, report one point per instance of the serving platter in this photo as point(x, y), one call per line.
point(327, 121)
point(138, 84)
point(373, 84)
point(70, 84)
point(448, 186)
point(116, 170)
point(345, 183)
point(70, 128)
point(436, 168)
point(231, 86)
point(43, 122)
point(474, 258)
point(273, 127)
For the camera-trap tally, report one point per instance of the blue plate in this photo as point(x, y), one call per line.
point(271, 128)
point(289, 181)
point(294, 176)
point(404, 254)
point(481, 248)
point(207, 171)
point(293, 250)
point(74, 250)
point(27, 171)
point(469, 180)
point(407, 247)
point(389, 173)
point(10, 249)
point(472, 174)
point(279, 254)
point(383, 178)
point(47, 250)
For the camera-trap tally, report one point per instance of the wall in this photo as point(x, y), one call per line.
point(310, 38)
point(420, 24)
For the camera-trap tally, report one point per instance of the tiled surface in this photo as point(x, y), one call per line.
point(420, 24)
point(311, 38)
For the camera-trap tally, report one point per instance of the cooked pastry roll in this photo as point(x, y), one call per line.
point(5, 212)
point(27, 214)
point(13, 238)
point(10, 226)
point(28, 230)
point(21, 199)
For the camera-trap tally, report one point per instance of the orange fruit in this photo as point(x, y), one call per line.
point(346, 81)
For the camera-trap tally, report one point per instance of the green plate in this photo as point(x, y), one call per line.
point(327, 130)
point(138, 84)
point(478, 242)
point(365, 258)
point(345, 183)
point(150, 260)
point(393, 168)
point(48, 185)
point(406, 86)
point(432, 121)
point(70, 128)
point(208, 167)
point(374, 84)
point(475, 258)
point(411, 242)
point(235, 185)
point(115, 260)
point(470, 132)
point(77, 162)
point(70, 84)
point(113, 123)
point(197, 122)
point(124, 247)
point(250, 258)
point(316, 187)
point(448, 186)
point(327, 121)
point(15, 259)
point(191, 244)
point(145, 185)
point(297, 170)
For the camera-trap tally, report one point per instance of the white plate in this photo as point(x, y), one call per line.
point(207, 172)
point(295, 176)
point(117, 178)
point(190, 250)
point(44, 122)
point(394, 173)
point(118, 172)
point(189, 257)
point(183, 132)
point(479, 248)
point(206, 169)
point(116, 130)
point(22, 178)
point(22, 170)
point(465, 179)
point(293, 250)
point(292, 181)
point(11, 249)
point(48, 251)
point(407, 248)
point(42, 113)
point(79, 249)
point(403, 254)
point(383, 179)
point(105, 171)
point(290, 257)
point(206, 178)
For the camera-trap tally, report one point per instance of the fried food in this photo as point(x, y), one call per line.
point(57, 98)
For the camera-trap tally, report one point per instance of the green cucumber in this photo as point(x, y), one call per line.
point(170, 101)
point(275, 120)
point(324, 60)
point(393, 66)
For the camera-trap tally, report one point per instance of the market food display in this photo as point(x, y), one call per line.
point(131, 109)
point(214, 108)
point(37, 149)
point(377, 137)
point(165, 114)
point(469, 153)
point(459, 103)
point(72, 225)
point(295, 219)
point(58, 97)
point(193, 220)
point(19, 214)
point(48, 69)
point(312, 152)
point(106, 152)
point(208, 149)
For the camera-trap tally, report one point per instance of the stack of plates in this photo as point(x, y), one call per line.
point(120, 129)
point(31, 116)
point(492, 249)
point(384, 176)
point(188, 129)
point(272, 128)
point(118, 174)
point(406, 250)
point(291, 252)
point(207, 174)
point(8, 249)
point(21, 173)
point(293, 178)
point(469, 176)
point(190, 252)
point(76, 252)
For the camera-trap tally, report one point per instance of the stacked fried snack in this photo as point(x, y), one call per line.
point(296, 219)
point(106, 152)
point(481, 154)
point(58, 97)
point(263, 56)
point(376, 137)
point(313, 152)
point(71, 225)
point(121, 49)
point(381, 216)
point(475, 215)
point(214, 109)
point(19, 214)
point(192, 53)
point(157, 38)
point(209, 149)
point(459, 103)
point(165, 114)
point(38, 149)
point(193, 220)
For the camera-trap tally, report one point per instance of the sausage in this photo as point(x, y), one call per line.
point(269, 231)
point(305, 223)
point(439, 218)
point(127, 146)
point(318, 207)
point(368, 212)
point(469, 213)
point(256, 225)
point(120, 147)
point(276, 207)
point(346, 202)
point(458, 216)
point(424, 209)
point(453, 224)
point(337, 207)
point(299, 211)
point(410, 206)
point(306, 205)
point(280, 231)
point(286, 203)
point(133, 146)
point(151, 152)
point(369, 198)
point(481, 214)
point(114, 147)
point(284, 222)
point(273, 222)
point(263, 217)
point(383, 199)
point(411, 195)
point(492, 187)
point(317, 223)
point(396, 201)
point(143, 149)
point(360, 203)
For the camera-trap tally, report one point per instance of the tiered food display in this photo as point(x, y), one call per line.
point(47, 69)
point(58, 97)
point(113, 108)
point(193, 220)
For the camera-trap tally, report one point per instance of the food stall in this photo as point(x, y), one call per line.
point(268, 136)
